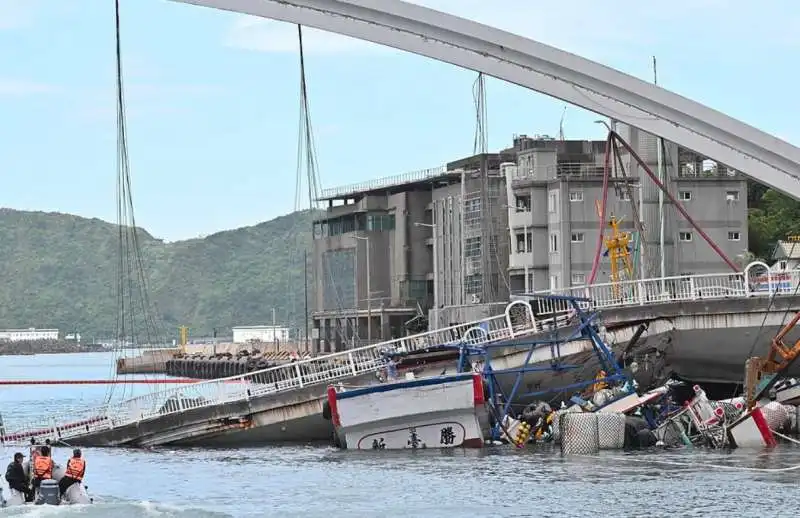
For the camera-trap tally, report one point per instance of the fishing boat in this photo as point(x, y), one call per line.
point(437, 412)
point(477, 402)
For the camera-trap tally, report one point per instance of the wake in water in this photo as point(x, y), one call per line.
point(115, 509)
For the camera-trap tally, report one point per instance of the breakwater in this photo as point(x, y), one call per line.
point(26, 347)
point(223, 365)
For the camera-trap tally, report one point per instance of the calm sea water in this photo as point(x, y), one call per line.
point(314, 481)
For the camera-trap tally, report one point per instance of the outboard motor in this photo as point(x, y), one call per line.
point(48, 493)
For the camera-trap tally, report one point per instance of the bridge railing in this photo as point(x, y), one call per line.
point(517, 320)
point(757, 279)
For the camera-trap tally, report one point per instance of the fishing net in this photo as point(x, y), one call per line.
point(556, 418)
point(579, 433)
point(776, 415)
point(611, 429)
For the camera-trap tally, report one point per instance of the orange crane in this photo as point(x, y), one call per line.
point(761, 373)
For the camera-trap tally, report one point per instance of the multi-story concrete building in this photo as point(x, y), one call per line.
point(398, 250)
point(372, 269)
point(554, 191)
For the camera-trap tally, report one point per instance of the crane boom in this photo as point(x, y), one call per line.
point(762, 373)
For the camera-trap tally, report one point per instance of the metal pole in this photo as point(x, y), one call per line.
point(355, 300)
point(659, 144)
point(462, 255)
point(436, 273)
point(305, 284)
point(369, 297)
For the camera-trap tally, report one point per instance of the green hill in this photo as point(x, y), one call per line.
point(58, 270)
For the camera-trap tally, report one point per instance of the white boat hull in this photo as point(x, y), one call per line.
point(438, 412)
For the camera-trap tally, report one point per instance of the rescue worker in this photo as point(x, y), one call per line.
point(76, 469)
point(42, 467)
point(16, 478)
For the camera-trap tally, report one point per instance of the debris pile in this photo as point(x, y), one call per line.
point(670, 416)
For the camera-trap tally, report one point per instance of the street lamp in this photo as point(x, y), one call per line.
point(369, 296)
point(432, 226)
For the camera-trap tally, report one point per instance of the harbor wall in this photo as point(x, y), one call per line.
point(148, 362)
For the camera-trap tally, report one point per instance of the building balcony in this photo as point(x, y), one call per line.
point(520, 260)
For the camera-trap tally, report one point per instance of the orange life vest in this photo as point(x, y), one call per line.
point(76, 467)
point(43, 467)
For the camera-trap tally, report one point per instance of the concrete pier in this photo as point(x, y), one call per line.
point(152, 361)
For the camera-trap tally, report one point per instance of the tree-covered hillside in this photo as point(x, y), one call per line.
point(58, 270)
point(772, 216)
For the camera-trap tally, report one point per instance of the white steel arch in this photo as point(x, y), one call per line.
point(547, 70)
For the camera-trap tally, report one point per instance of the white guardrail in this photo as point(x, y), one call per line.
point(517, 320)
point(757, 279)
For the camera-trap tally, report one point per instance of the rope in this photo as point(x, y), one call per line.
point(652, 461)
point(786, 437)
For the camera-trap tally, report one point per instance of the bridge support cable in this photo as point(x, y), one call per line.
point(136, 322)
point(637, 217)
point(603, 205)
point(488, 198)
point(308, 168)
point(617, 138)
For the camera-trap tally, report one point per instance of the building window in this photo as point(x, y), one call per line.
point(732, 196)
point(378, 222)
point(623, 195)
point(578, 279)
point(554, 282)
point(552, 202)
point(577, 237)
point(472, 211)
point(686, 237)
point(685, 195)
point(523, 203)
point(554, 242)
point(472, 247)
point(734, 236)
point(524, 243)
point(575, 196)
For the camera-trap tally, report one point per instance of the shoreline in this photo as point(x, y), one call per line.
point(47, 347)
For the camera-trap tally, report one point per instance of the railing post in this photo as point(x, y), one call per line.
point(352, 363)
point(641, 292)
point(693, 294)
point(299, 374)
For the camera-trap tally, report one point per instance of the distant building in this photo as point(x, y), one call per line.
point(245, 334)
point(30, 334)
point(391, 253)
point(787, 254)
